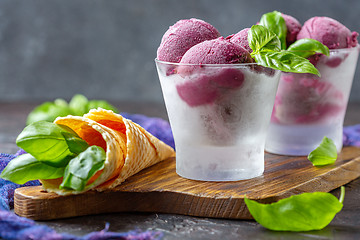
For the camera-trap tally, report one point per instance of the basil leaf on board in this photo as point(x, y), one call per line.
point(51, 143)
point(275, 23)
point(307, 47)
point(81, 168)
point(324, 154)
point(48, 111)
point(303, 212)
point(261, 39)
point(25, 168)
point(286, 62)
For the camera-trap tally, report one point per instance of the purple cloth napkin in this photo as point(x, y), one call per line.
point(351, 136)
point(15, 227)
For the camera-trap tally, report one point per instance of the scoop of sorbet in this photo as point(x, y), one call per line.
point(216, 51)
point(293, 28)
point(328, 31)
point(182, 36)
point(207, 84)
point(241, 38)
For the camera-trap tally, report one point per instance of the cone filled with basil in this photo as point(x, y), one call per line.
point(99, 151)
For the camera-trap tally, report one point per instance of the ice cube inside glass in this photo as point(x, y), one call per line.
point(219, 115)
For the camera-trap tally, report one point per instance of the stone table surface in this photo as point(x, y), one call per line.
point(346, 224)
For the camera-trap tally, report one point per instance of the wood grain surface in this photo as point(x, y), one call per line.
point(159, 189)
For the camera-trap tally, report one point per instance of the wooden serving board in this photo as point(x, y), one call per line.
point(159, 189)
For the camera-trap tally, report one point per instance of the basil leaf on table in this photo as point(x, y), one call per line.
point(78, 106)
point(25, 168)
point(81, 168)
point(51, 143)
point(324, 154)
point(275, 23)
point(303, 212)
point(93, 104)
point(48, 111)
point(286, 62)
point(307, 47)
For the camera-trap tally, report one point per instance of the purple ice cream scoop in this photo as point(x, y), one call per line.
point(241, 38)
point(328, 31)
point(182, 36)
point(203, 85)
point(293, 28)
point(216, 51)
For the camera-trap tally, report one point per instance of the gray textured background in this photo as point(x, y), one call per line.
point(106, 49)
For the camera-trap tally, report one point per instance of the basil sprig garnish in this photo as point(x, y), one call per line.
point(78, 106)
point(303, 212)
point(274, 53)
point(276, 24)
point(261, 40)
point(324, 154)
point(54, 151)
point(267, 52)
point(307, 47)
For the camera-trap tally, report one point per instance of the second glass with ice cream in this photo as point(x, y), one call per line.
point(309, 107)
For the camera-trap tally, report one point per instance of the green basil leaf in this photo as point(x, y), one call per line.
point(25, 168)
point(78, 105)
point(304, 212)
point(324, 154)
point(93, 104)
point(50, 143)
point(261, 39)
point(48, 111)
point(75, 143)
point(285, 61)
point(307, 47)
point(81, 168)
point(275, 23)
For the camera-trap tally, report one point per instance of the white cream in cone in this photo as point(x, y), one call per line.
point(129, 148)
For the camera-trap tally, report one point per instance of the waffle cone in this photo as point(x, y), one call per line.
point(142, 148)
point(129, 148)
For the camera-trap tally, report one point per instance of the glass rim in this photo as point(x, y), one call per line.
point(208, 64)
point(357, 47)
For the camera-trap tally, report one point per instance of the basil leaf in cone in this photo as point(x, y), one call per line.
point(81, 168)
point(51, 143)
point(25, 168)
